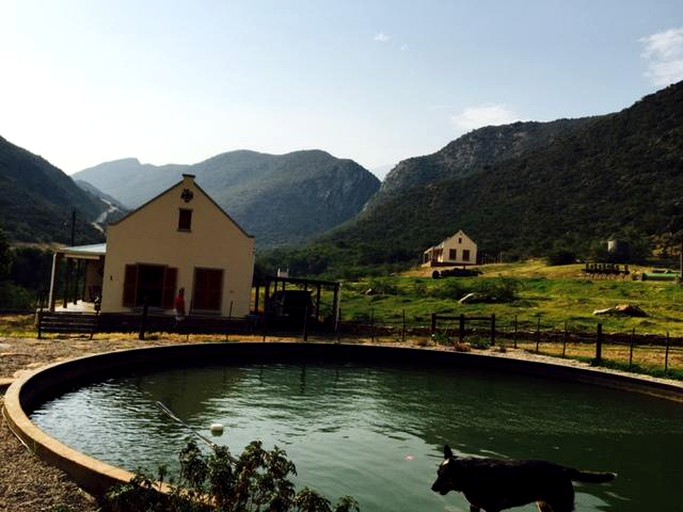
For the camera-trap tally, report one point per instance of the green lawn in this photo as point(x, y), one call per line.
point(554, 294)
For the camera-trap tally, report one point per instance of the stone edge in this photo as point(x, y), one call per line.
point(96, 477)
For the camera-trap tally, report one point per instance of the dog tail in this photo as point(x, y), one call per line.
point(591, 477)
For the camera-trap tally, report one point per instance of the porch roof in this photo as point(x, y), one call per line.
point(93, 251)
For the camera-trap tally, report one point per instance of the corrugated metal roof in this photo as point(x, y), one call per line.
point(84, 251)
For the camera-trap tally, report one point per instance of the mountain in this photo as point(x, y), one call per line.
point(475, 152)
point(113, 202)
point(129, 182)
point(280, 199)
point(615, 176)
point(37, 200)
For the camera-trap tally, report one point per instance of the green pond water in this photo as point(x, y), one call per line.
point(377, 433)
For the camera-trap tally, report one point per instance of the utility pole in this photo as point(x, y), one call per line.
point(73, 226)
point(69, 262)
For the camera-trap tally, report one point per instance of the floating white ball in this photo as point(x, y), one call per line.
point(216, 429)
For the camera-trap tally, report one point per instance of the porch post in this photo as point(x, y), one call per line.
point(56, 261)
point(67, 284)
point(336, 306)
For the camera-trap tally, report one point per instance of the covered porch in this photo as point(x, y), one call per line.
point(76, 277)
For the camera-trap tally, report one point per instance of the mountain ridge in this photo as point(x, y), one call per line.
point(614, 176)
point(280, 199)
point(476, 151)
point(37, 200)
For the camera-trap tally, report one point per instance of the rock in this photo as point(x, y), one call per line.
point(621, 310)
point(468, 298)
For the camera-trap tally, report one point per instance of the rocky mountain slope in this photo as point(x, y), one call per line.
point(280, 199)
point(615, 176)
point(476, 152)
point(37, 200)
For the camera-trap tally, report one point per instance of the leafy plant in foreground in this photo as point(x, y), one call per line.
point(258, 481)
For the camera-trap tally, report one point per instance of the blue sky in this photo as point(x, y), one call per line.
point(377, 81)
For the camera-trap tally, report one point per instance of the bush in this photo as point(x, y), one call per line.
point(258, 480)
point(383, 286)
point(419, 288)
point(441, 338)
point(561, 257)
point(479, 343)
point(15, 298)
point(449, 289)
point(502, 289)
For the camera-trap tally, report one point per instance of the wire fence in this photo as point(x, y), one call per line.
point(630, 351)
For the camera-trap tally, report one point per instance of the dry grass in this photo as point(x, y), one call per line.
point(650, 359)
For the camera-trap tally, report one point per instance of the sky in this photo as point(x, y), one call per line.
point(377, 81)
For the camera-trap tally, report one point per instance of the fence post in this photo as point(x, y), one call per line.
point(228, 325)
point(493, 329)
point(515, 336)
point(338, 326)
point(305, 333)
point(564, 340)
point(630, 353)
point(666, 354)
point(143, 319)
point(433, 328)
point(462, 328)
point(403, 330)
point(538, 333)
point(372, 324)
point(598, 345)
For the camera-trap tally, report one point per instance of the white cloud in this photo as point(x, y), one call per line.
point(381, 37)
point(664, 53)
point(488, 114)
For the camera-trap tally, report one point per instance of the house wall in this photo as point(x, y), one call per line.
point(441, 254)
point(150, 235)
point(460, 242)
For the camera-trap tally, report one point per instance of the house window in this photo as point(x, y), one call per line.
point(208, 289)
point(154, 284)
point(184, 220)
point(466, 255)
point(452, 254)
point(459, 240)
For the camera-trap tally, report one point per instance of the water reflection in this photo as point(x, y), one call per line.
point(377, 433)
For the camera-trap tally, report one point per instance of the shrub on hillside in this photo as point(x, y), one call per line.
point(449, 289)
point(561, 257)
point(502, 289)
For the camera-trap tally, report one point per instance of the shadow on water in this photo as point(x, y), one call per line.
point(377, 433)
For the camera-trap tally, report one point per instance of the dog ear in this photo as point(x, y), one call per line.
point(447, 453)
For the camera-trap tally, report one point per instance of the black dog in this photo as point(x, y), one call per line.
point(493, 485)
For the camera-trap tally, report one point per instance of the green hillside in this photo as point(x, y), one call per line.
point(617, 176)
point(37, 200)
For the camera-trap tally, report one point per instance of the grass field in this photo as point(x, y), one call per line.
point(546, 299)
point(554, 295)
point(527, 297)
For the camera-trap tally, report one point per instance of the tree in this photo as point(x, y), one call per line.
point(5, 255)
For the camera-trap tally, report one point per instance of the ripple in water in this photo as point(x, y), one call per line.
point(378, 433)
